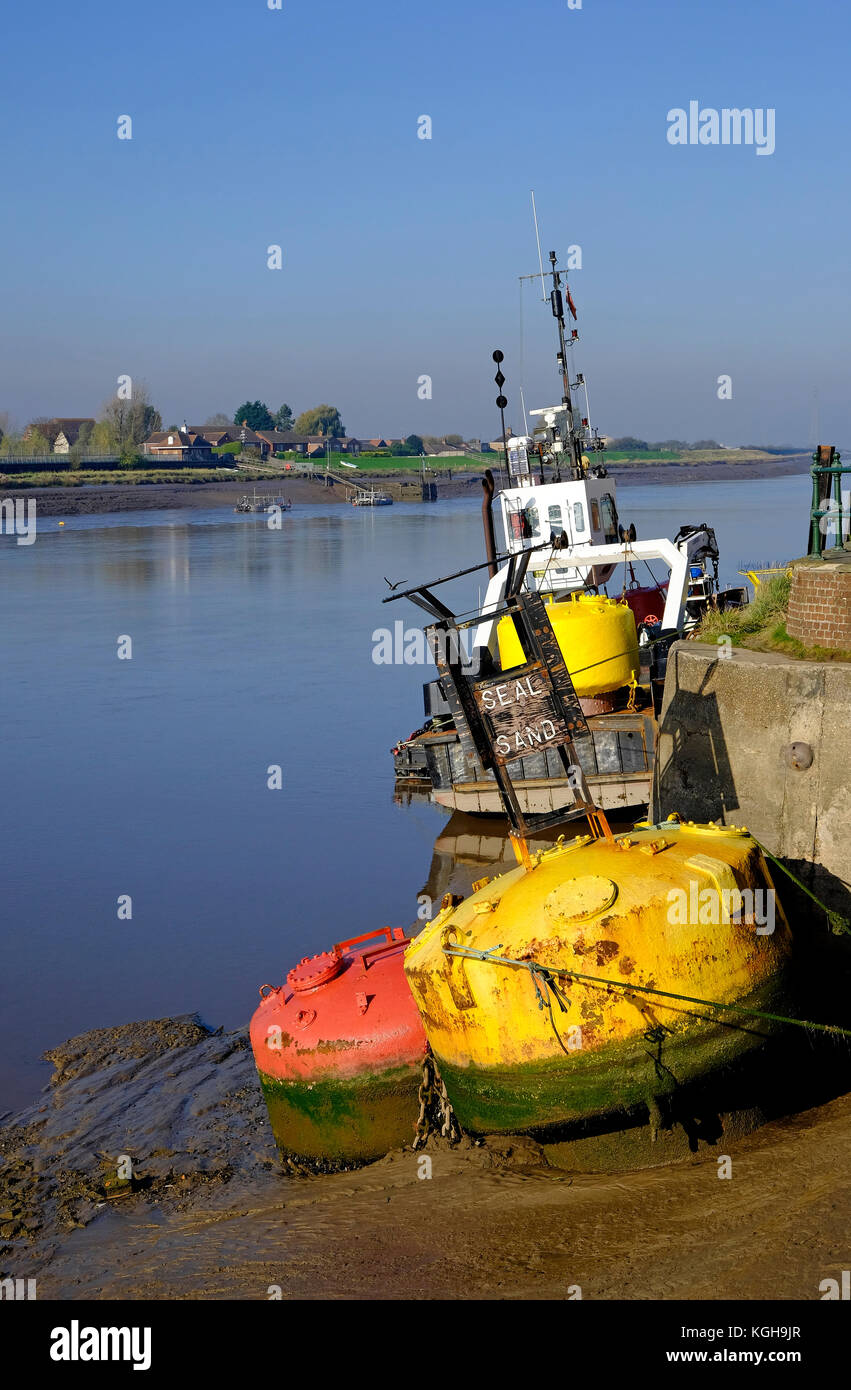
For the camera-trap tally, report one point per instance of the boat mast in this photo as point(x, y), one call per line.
point(573, 440)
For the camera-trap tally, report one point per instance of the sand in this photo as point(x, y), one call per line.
point(211, 1215)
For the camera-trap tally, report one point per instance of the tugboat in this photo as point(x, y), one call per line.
point(560, 526)
point(603, 975)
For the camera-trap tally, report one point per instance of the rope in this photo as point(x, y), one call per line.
point(838, 923)
point(541, 971)
point(534, 968)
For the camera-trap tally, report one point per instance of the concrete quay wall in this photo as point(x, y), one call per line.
point(762, 740)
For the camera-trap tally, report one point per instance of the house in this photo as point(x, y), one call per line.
point(283, 441)
point(336, 444)
point(69, 432)
point(345, 444)
point(60, 432)
point(442, 450)
point(179, 446)
point(214, 436)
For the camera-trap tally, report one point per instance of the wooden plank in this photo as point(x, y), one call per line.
point(519, 713)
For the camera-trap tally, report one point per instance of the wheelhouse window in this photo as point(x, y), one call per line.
point(531, 514)
point(554, 518)
point(610, 517)
point(578, 517)
point(595, 515)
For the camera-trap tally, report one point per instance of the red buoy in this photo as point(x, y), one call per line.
point(339, 1049)
point(648, 602)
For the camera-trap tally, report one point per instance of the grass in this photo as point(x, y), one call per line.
point(761, 625)
point(112, 476)
point(688, 456)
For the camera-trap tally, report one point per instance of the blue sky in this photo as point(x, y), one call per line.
point(298, 127)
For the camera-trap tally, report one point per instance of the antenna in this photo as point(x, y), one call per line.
point(523, 404)
point(538, 239)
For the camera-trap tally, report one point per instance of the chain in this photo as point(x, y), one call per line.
point(424, 1095)
point(435, 1108)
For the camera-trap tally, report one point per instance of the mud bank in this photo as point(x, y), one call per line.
point(130, 497)
point(91, 500)
point(209, 1214)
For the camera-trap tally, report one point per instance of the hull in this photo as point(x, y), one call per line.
point(604, 911)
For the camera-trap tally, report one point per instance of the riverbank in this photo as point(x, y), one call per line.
point(209, 1213)
point(127, 496)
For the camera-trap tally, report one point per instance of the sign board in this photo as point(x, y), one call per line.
point(519, 713)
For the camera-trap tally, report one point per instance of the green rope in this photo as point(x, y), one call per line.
point(534, 968)
point(838, 924)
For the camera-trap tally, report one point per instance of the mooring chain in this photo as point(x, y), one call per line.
point(424, 1095)
point(433, 1097)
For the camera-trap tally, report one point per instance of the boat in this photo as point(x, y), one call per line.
point(602, 979)
point(371, 498)
point(339, 1051)
point(264, 504)
point(560, 525)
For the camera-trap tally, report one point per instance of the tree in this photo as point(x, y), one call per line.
point(219, 421)
point(255, 415)
point(453, 439)
point(15, 446)
point(706, 444)
point(322, 419)
point(415, 444)
point(130, 420)
point(628, 441)
point(102, 439)
point(284, 418)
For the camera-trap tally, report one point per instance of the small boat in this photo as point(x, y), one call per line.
point(603, 978)
point(372, 499)
point(339, 1049)
point(263, 504)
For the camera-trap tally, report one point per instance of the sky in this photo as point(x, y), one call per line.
point(297, 127)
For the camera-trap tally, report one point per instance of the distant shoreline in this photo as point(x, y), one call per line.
point(90, 500)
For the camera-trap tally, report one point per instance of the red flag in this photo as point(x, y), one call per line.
point(570, 304)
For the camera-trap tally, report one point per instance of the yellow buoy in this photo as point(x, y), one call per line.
point(637, 931)
point(597, 638)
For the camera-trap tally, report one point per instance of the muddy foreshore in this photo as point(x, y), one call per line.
point(211, 1214)
point(95, 499)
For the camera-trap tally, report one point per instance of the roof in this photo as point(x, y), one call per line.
point(72, 422)
point(282, 437)
point(69, 425)
point(176, 438)
point(214, 434)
